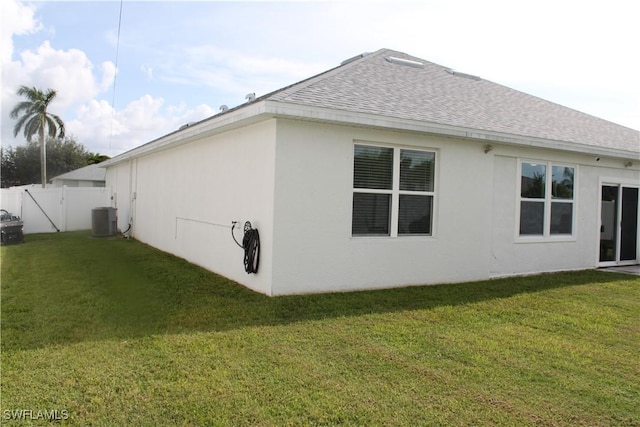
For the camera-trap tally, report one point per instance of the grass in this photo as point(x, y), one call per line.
point(117, 333)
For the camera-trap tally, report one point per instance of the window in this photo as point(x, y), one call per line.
point(546, 210)
point(393, 190)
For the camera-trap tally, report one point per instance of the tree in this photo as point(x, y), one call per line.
point(8, 169)
point(20, 165)
point(97, 158)
point(34, 119)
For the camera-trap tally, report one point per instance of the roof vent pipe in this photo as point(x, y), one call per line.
point(353, 58)
point(406, 62)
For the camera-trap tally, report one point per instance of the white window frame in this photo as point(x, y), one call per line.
point(396, 192)
point(548, 200)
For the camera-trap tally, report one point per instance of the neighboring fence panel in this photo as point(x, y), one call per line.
point(11, 201)
point(35, 220)
point(69, 208)
point(80, 202)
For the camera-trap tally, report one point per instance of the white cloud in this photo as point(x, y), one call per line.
point(110, 132)
point(16, 19)
point(70, 72)
point(234, 72)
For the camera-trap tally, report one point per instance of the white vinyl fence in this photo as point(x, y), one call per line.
point(47, 210)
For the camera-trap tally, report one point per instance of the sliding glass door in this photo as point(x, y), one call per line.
point(618, 225)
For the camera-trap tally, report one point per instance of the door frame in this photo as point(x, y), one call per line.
point(620, 183)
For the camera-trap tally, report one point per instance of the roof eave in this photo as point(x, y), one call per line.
point(298, 111)
point(264, 109)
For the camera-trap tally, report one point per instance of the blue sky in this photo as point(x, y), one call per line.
point(179, 61)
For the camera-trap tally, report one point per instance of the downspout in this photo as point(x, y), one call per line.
point(132, 195)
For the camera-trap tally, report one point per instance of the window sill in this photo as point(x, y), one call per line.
point(402, 237)
point(546, 239)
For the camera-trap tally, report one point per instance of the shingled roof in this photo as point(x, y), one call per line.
point(414, 89)
point(87, 173)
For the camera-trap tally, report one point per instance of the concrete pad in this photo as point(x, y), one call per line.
point(628, 269)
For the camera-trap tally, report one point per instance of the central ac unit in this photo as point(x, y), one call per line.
point(104, 221)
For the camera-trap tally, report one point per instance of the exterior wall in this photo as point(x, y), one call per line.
point(474, 230)
point(511, 255)
point(183, 200)
point(293, 180)
point(314, 250)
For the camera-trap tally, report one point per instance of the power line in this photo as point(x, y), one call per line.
point(115, 76)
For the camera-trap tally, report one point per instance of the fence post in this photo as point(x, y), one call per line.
point(63, 208)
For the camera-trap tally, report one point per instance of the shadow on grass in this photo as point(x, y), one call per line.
point(67, 288)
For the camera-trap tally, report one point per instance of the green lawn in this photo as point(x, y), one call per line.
point(113, 332)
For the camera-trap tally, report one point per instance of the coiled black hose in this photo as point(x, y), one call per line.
point(251, 243)
point(251, 246)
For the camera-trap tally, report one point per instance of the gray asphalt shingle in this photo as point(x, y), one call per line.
point(432, 94)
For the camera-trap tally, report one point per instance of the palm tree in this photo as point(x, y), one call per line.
point(34, 119)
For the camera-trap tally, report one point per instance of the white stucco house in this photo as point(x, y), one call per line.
point(387, 171)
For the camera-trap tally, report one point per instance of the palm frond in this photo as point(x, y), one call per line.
point(31, 93)
point(21, 121)
point(32, 128)
point(24, 105)
point(52, 127)
point(60, 125)
point(49, 95)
